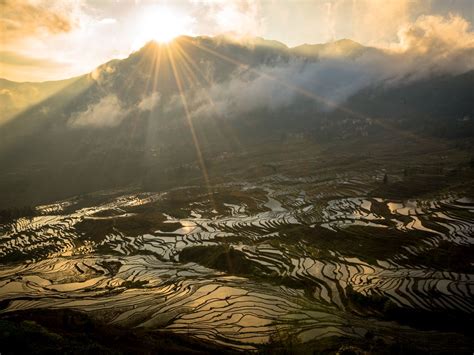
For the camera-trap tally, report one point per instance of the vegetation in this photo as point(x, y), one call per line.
point(381, 306)
point(72, 332)
point(9, 214)
point(224, 258)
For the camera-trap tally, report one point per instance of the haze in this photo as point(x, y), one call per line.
point(51, 40)
point(221, 177)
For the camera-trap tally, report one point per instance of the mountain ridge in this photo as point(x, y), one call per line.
point(141, 118)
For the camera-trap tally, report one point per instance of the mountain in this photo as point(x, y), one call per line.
point(15, 97)
point(340, 48)
point(168, 111)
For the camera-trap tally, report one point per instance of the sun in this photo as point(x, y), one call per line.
point(163, 24)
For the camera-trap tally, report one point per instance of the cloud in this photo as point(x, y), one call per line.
point(85, 33)
point(33, 28)
point(13, 58)
point(240, 17)
point(431, 45)
point(107, 21)
point(103, 72)
point(435, 45)
point(76, 35)
point(435, 34)
point(108, 112)
point(377, 25)
point(6, 97)
point(237, 17)
point(148, 103)
point(23, 18)
point(328, 80)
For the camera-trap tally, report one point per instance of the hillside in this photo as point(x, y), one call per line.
point(179, 106)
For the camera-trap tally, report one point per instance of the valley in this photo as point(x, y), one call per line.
point(279, 256)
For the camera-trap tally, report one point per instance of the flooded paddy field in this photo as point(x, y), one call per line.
point(279, 260)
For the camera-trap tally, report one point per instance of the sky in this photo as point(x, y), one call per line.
point(57, 39)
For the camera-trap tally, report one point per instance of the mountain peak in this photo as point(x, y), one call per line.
point(338, 48)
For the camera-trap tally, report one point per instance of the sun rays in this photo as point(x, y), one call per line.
point(306, 93)
point(182, 95)
point(176, 64)
point(172, 59)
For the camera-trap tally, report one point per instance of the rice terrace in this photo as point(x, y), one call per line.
point(212, 191)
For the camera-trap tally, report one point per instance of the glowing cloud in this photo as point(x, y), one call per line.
point(108, 112)
point(148, 103)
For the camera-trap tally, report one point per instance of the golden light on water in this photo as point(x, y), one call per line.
point(232, 189)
